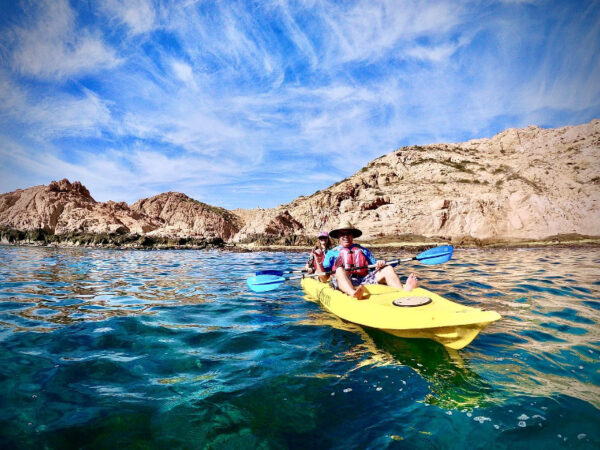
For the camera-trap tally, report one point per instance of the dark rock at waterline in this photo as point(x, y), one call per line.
point(40, 236)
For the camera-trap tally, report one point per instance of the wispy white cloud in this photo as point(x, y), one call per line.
point(145, 171)
point(571, 81)
point(42, 165)
point(194, 125)
point(185, 73)
point(138, 15)
point(369, 30)
point(437, 53)
point(300, 39)
point(53, 116)
point(50, 46)
point(518, 1)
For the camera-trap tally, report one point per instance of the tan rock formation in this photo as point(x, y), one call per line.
point(183, 216)
point(283, 224)
point(63, 207)
point(528, 183)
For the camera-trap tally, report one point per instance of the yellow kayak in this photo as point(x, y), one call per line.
point(415, 314)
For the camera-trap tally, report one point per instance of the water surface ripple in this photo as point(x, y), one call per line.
point(163, 349)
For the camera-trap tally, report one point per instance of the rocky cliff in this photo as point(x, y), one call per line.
point(63, 207)
point(521, 184)
point(67, 209)
point(182, 216)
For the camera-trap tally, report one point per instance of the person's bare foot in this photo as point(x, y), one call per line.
point(411, 282)
point(360, 293)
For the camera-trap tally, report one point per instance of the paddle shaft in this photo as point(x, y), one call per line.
point(294, 271)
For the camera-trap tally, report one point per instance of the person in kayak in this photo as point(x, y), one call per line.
point(317, 254)
point(343, 259)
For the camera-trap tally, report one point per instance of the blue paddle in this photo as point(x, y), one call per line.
point(436, 255)
point(263, 282)
point(268, 280)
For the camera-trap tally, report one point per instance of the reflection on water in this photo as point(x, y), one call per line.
point(451, 382)
point(169, 348)
point(54, 287)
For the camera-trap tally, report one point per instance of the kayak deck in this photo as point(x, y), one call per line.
point(442, 320)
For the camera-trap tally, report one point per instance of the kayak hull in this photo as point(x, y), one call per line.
point(451, 324)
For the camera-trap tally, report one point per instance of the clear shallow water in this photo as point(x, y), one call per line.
point(159, 349)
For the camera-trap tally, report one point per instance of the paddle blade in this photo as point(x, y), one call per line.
point(437, 255)
point(265, 282)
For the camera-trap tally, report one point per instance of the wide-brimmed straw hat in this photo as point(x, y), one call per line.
point(345, 226)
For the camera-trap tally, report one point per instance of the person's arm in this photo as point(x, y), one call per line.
point(325, 266)
point(309, 267)
point(379, 263)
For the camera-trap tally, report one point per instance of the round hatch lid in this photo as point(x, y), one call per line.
point(412, 301)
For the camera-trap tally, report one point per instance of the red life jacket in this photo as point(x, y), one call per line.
point(350, 258)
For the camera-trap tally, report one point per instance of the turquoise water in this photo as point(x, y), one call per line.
point(169, 349)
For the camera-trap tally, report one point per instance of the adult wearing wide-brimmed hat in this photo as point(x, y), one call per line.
point(317, 254)
point(348, 263)
point(345, 226)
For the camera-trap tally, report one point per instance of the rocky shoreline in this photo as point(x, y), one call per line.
point(562, 241)
point(295, 243)
point(40, 237)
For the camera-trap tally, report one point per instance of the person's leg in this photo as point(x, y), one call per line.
point(345, 284)
point(389, 277)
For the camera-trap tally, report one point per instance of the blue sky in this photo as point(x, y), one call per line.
point(253, 103)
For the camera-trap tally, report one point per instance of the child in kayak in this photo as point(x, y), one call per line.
point(347, 256)
point(317, 254)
